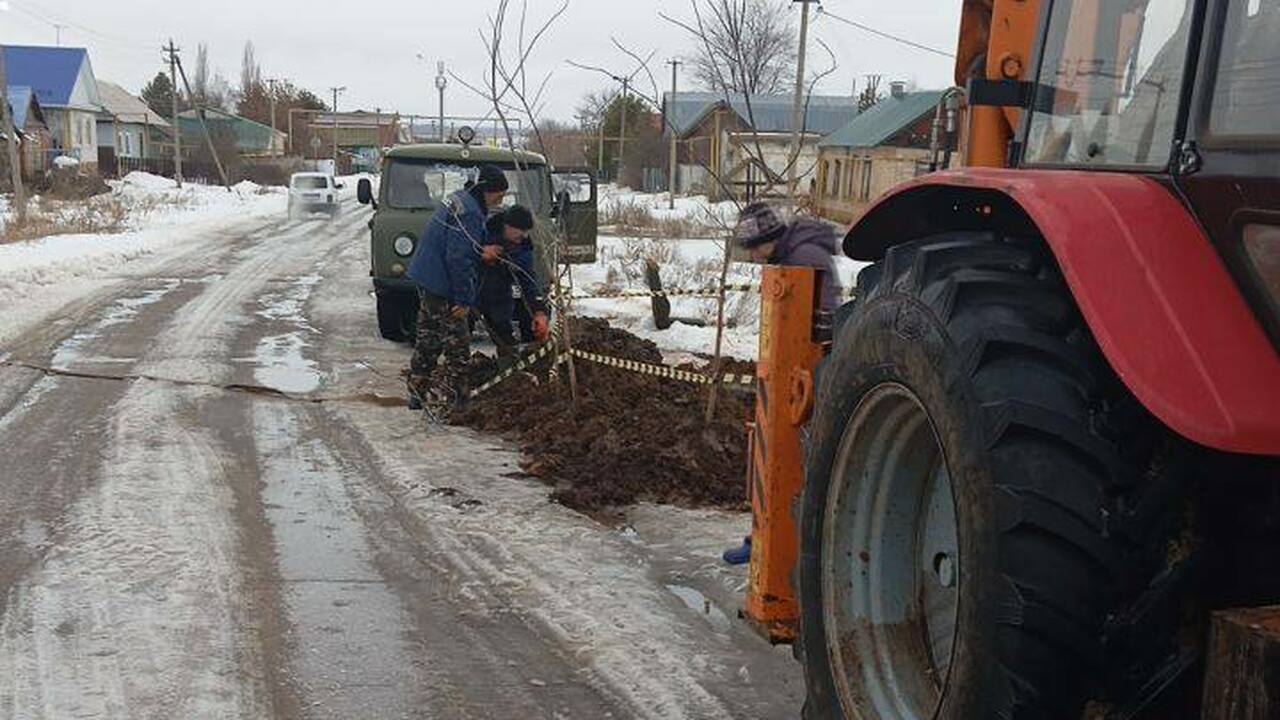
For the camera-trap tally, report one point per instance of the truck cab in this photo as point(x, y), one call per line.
point(417, 179)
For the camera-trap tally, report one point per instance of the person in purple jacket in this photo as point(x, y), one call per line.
point(802, 242)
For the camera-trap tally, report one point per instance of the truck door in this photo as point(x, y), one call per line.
point(575, 208)
point(1229, 169)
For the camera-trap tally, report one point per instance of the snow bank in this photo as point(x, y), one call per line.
point(692, 264)
point(38, 276)
point(696, 207)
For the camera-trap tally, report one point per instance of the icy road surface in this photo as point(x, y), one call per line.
point(174, 546)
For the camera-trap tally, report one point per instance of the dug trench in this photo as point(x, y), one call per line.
point(632, 437)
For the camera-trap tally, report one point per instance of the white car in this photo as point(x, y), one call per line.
point(311, 192)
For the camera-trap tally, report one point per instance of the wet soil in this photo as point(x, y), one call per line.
point(633, 438)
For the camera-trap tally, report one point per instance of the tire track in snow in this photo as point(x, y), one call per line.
point(517, 552)
point(131, 614)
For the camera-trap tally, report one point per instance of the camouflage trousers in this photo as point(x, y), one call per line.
point(440, 336)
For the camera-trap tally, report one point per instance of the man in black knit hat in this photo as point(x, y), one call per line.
point(445, 269)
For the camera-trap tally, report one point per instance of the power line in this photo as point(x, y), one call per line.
point(60, 24)
point(822, 11)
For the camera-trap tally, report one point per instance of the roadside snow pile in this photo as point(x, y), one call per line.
point(88, 239)
point(683, 243)
point(687, 264)
point(616, 201)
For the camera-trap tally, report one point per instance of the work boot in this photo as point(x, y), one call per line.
point(740, 555)
point(435, 405)
point(417, 387)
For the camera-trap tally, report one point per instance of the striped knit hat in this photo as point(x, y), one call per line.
point(758, 224)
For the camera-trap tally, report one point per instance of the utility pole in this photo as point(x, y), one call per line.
point(604, 113)
point(622, 133)
point(336, 91)
point(11, 134)
point(797, 115)
point(271, 88)
point(208, 138)
point(57, 33)
point(442, 82)
point(172, 50)
point(671, 128)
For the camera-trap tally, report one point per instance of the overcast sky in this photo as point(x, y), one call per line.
point(371, 47)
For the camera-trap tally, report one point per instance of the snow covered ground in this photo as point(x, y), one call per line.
point(687, 263)
point(38, 276)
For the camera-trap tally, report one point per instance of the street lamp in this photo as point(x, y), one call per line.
point(442, 82)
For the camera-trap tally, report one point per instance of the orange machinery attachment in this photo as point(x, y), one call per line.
point(784, 399)
point(996, 41)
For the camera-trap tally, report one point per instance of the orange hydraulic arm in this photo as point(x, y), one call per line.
point(997, 38)
point(788, 358)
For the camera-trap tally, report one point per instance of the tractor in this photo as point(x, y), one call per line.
point(1043, 445)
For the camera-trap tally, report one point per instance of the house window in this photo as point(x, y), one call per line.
point(833, 181)
point(865, 192)
point(846, 189)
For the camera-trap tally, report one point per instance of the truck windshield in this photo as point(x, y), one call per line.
point(1110, 83)
point(422, 184)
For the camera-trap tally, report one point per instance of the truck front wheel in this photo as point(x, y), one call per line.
point(958, 559)
point(396, 320)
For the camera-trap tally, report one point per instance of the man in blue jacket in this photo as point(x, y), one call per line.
point(508, 262)
point(445, 269)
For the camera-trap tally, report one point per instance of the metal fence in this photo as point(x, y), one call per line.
point(192, 171)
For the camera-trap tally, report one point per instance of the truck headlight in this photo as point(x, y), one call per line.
point(404, 245)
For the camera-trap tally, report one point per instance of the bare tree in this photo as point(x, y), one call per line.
point(870, 94)
point(732, 65)
point(505, 86)
point(755, 37)
point(250, 71)
point(209, 89)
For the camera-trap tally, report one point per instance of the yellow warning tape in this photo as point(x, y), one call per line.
point(662, 371)
point(704, 293)
point(523, 364)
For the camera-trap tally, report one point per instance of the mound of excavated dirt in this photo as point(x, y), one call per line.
point(634, 438)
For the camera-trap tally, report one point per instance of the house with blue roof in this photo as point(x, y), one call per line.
point(33, 131)
point(886, 144)
point(63, 82)
point(746, 140)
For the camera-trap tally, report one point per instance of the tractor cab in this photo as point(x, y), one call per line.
point(1185, 91)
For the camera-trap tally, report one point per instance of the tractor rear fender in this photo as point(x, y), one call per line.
point(1160, 302)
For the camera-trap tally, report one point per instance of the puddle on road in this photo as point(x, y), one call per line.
point(279, 364)
point(701, 605)
point(349, 628)
point(290, 306)
point(120, 312)
point(279, 361)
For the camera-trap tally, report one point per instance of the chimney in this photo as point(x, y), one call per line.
point(898, 89)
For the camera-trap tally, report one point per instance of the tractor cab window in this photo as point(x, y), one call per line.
point(1246, 93)
point(1110, 83)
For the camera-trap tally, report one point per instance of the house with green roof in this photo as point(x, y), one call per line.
point(881, 147)
point(747, 140)
point(249, 138)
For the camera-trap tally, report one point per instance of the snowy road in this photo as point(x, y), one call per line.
point(173, 544)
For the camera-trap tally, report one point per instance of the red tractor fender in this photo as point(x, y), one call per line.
point(1159, 300)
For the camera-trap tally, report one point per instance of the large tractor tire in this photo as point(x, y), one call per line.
point(959, 553)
